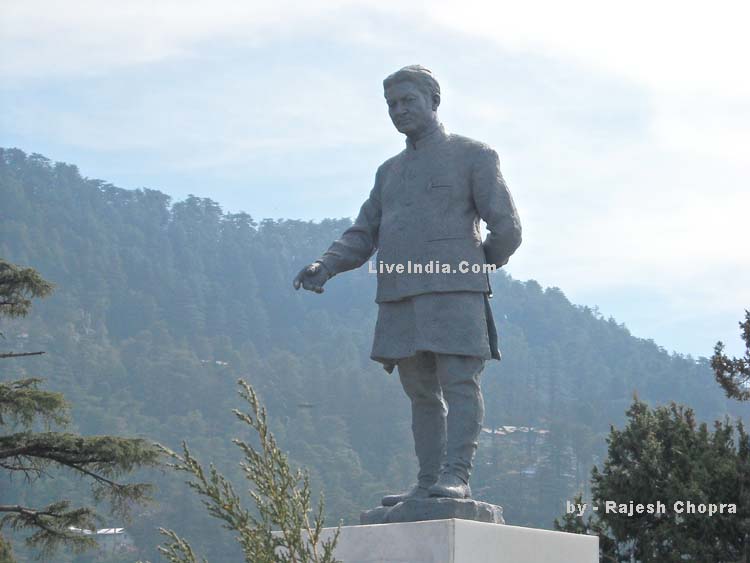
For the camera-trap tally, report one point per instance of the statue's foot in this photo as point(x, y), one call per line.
point(417, 491)
point(450, 486)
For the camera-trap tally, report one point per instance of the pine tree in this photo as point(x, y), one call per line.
point(27, 452)
point(280, 494)
point(6, 553)
point(733, 374)
point(574, 523)
point(663, 455)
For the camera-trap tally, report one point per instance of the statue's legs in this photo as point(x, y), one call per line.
point(428, 413)
point(447, 411)
point(428, 418)
point(459, 380)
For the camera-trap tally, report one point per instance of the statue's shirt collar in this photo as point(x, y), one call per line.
point(432, 137)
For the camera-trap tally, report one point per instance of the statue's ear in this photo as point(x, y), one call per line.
point(435, 101)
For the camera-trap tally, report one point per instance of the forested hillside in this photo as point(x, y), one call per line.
point(160, 307)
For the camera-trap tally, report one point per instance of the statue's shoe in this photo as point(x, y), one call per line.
point(417, 491)
point(450, 486)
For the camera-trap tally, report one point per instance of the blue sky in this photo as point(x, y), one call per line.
point(622, 128)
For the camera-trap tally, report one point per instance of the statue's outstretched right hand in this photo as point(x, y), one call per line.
point(312, 277)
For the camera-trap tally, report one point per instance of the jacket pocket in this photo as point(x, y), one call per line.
point(446, 237)
point(441, 182)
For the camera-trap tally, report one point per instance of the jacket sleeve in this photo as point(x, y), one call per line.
point(360, 241)
point(495, 206)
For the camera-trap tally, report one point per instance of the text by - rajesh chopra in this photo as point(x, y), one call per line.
point(636, 509)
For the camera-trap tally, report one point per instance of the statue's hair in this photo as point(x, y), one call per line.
point(417, 74)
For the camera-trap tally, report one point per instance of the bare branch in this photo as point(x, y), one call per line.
point(19, 354)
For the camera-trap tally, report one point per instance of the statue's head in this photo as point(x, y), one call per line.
point(413, 96)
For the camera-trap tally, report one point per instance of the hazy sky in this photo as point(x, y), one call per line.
point(623, 128)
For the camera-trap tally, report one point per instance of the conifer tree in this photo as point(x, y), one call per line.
point(733, 374)
point(28, 453)
point(283, 528)
point(6, 553)
point(574, 523)
point(663, 455)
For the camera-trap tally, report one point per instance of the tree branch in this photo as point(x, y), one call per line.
point(95, 476)
point(36, 516)
point(52, 524)
point(19, 354)
point(733, 374)
point(25, 510)
point(71, 449)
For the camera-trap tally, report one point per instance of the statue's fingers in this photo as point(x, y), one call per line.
point(300, 278)
point(312, 285)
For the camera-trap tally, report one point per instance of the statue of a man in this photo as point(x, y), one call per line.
point(434, 319)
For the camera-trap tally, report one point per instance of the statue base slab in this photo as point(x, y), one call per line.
point(461, 541)
point(416, 510)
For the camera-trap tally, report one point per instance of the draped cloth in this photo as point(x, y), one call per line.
point(458, 323)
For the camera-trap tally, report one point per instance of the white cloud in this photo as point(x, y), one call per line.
point(48, 37)
point(628, 160)
point(667, 45)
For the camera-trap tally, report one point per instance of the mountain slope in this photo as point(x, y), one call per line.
point(160, 307)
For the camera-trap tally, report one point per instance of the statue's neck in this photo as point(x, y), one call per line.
point(415, 140)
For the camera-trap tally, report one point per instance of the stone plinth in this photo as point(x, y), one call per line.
point(461, 541)
point(415, 510)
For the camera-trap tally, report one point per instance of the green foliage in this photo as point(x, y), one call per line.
point(281, 497)
point(574, 523)
point(160, 307)
point(664, 455)
point(27, 452)
point(22, 402)
point(17, 287)
point(178, 550)
point(733, 374)
point(101, 458)
point(6, 552)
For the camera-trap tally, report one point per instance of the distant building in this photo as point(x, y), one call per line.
point(508, 430)
point(110, 540)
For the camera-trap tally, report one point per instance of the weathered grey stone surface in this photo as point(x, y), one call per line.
point(416, 510)
point(434, 322)
point(460, 541)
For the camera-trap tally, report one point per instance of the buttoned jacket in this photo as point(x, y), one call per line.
point(425, 208)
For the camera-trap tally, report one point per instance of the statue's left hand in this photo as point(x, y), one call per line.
point(312, 277)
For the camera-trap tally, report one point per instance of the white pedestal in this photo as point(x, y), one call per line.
point(461, 541)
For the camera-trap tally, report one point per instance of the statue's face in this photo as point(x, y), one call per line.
point(410, 109)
